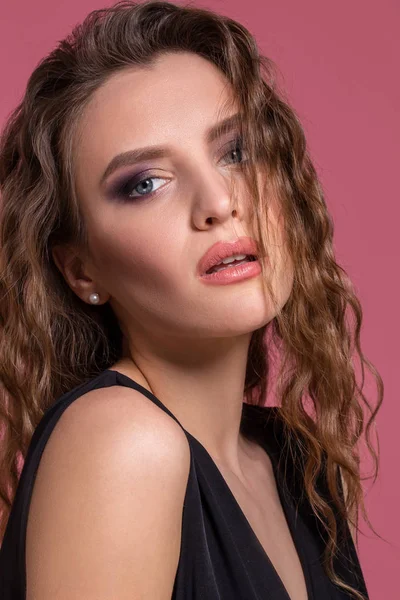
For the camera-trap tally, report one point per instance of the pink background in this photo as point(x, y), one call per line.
point(338, 65)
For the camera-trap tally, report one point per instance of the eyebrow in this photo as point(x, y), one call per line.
point(151, 152)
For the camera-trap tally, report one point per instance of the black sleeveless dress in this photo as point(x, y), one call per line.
point(221, 558)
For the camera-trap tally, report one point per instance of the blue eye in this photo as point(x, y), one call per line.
point(237, 147)
point(145, 188)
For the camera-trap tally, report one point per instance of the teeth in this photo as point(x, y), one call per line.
point(216, 269)
point(238, 259)
point(230, 259)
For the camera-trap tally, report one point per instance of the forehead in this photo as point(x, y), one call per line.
point(179, 95)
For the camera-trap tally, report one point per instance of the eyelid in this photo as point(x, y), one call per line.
point(129, 179)
point(130, 182)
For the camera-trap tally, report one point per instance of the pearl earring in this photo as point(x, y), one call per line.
point(94, 298)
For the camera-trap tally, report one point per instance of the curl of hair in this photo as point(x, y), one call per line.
point(52, 341)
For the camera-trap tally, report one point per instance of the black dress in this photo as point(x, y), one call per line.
point(221, 558)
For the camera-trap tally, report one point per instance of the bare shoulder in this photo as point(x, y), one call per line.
point(120, 410)
point(106, 510)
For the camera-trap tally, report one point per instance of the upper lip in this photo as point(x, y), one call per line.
point(222, 249)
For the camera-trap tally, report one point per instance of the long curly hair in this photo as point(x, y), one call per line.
point(52, 341)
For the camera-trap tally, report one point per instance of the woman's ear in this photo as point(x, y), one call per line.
point(72, 268)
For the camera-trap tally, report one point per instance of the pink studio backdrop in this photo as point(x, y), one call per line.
point(338, 63)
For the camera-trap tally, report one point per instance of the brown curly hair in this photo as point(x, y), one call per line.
point(51, 341)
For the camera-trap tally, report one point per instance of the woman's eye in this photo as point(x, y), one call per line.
point(237, 150)
point(143, 187)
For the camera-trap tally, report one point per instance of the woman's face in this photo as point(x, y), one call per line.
point(144, 249)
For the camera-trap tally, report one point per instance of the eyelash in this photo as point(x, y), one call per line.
point(122, 192)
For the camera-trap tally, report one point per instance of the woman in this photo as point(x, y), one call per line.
point(162, 231)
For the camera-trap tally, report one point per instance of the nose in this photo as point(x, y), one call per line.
point(215, 199)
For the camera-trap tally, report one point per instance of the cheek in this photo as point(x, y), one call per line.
point(133, 259)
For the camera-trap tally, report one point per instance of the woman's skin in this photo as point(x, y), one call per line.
point(186, 341)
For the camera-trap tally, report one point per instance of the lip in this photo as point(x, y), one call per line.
point(222, 249)
point(231, 275)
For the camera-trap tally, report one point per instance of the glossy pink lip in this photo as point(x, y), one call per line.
point(222, 249)
point(246, 270)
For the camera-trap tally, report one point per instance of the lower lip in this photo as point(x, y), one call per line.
point(233, 274)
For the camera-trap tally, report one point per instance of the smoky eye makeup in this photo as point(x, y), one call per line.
point(123, 186)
